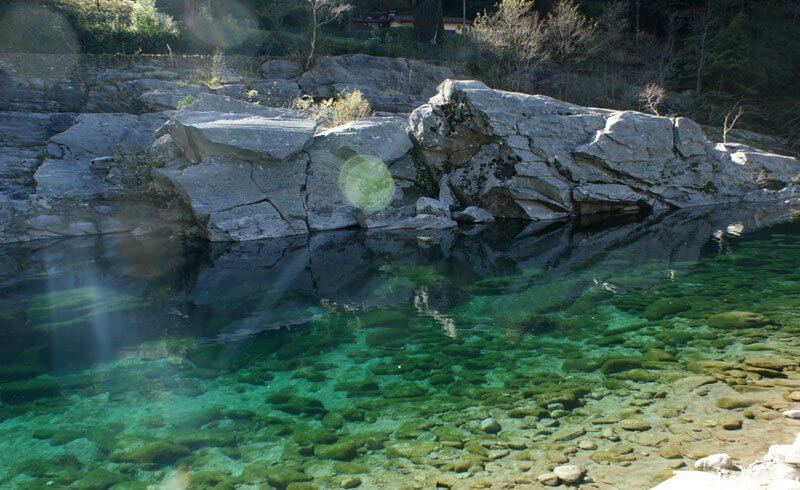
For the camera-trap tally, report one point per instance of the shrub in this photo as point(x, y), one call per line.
point(347, 107)
point(136, 170)
point(186, 102)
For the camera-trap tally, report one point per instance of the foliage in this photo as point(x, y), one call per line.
point(515, 38)
point(347, 107)
point(126, 27)
point(569, 34)
point(429, 21)
point(137, 166)
point(511, 39)
point(186, 101)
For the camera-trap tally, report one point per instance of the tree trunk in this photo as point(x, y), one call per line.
point(312, 45)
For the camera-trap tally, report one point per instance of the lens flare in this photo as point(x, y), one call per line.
point(366, 182)
point(36, 29)
point(228, 24)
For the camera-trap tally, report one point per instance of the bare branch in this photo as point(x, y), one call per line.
point(652, 96)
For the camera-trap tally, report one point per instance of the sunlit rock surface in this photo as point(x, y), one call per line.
point(534, 157)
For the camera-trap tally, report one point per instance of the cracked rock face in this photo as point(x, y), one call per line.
point(219, 126)
point(240, 188)
point(533, 157)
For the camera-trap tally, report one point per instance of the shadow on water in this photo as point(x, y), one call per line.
point(75, 301)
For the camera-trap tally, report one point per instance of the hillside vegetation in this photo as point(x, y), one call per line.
point(725, 57)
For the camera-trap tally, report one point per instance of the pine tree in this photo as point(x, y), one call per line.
point(730, 67)
point(429, 21)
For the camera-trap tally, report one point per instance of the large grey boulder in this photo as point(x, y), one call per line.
point(268, 93)
point(239, 201)
point(79, 186)
point(31, 129)
point(281, 69)
point(389, 84)
point(534, 157)
point(169, 98)
point(384, 142)
point(218, 126)
point(270, 185)
point(97, 135)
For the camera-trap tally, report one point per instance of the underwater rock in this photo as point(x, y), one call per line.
point(17, 373)
point(154, 452)
point(99, 479)
point(414, 451)
point(770, 363)
point(691, 383)
point(568, 434)
point(28, 390)
point(737, 319)
point(297, 405)
point(620, 364)
point(195, 439)
point(665, 306)
point(490, 426)
point(342, 451)
point(548, 479)
point(305, 435)
point(738, 401)
point(351, 482)
point(63, 468)
point(731, 423)
point(634, 425)
point(792, 414)
point(569, 474)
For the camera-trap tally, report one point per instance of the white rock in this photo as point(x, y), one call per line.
point(792, 414)
point(569, 473)
point(784, 484)
point(548, 479)
point(698, 480)
point(783, 471)
point(715, 462)
point(783, 453)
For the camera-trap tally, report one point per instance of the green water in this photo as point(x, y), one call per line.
point(378, 359)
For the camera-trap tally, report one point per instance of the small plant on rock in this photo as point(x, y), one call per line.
point(186, 101)
point(134, 170)
point(347, 107)
point(652, 96)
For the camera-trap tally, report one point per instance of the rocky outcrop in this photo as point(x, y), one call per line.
point(235, 170)
point(390, 84)
point(249, 172)
point(533, 157)
point(219, 127)
point(86, 179)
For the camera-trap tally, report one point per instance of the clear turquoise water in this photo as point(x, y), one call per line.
point(132, 361)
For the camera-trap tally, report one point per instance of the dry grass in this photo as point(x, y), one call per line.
point(347, 107)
